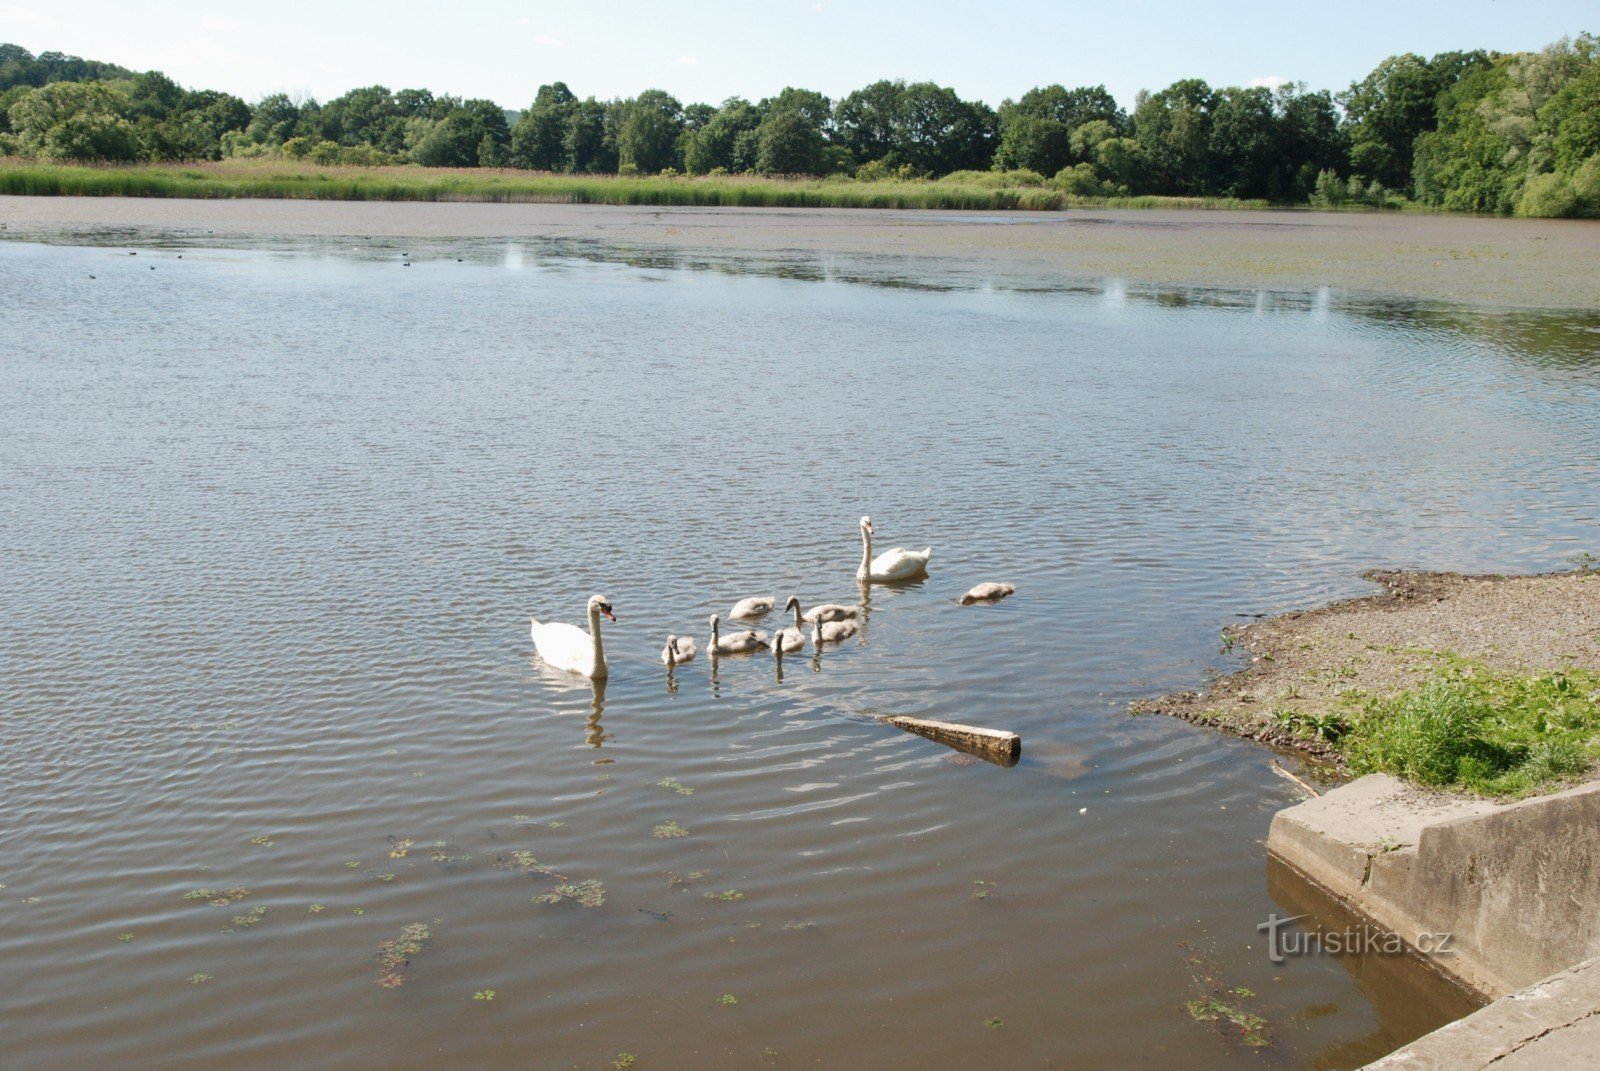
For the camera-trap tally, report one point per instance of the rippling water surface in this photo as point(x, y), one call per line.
point(276, 516)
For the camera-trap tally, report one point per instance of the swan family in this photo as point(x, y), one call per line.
point(570, 648)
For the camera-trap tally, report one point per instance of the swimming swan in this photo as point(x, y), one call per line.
point(831, 631)
point(988, 593)
point(793, 638)
point(832, 611)
point(752, 608)
point(738, 643)
point(896, 564)
point(569, 647)
point(679, 649)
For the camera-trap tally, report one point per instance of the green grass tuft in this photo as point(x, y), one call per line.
point(1492, 734)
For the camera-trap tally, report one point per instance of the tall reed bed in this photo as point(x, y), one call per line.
point(417, 184)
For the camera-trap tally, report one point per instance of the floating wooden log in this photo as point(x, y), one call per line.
point(999, 747)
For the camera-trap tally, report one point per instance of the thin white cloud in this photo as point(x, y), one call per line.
point(1271, 81)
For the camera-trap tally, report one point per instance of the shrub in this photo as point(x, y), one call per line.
point(1423, 736)
point(995, 180)
point(1081, 181)
point(883, 171)
point(1548, 196)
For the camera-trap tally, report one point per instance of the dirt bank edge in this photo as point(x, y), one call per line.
point(1308, 661)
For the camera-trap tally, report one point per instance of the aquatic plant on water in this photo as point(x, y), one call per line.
point(394, 956)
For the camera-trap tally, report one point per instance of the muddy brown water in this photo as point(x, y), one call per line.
point(277, 514)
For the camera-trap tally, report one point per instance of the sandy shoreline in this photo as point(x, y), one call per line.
point(1385, 643)
point(1543, 264)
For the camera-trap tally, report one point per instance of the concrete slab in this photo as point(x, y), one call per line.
point(1515, 886)
point(1553, 1025)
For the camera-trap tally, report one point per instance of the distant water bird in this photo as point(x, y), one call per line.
point(832, 631)
point(737, 642)
point(896, 564)
point(133, 252)
point(988, 593)
point(569, 647)
point(678, 649)
point(752, 608)
point(792, 638)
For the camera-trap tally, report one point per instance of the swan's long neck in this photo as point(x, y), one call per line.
point(866, 555)
point(599, 651)
point(713, 636)
point(799, 622)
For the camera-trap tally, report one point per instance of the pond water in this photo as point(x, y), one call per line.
point(278, 512)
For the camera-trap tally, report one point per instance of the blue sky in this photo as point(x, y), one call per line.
point(706, 51)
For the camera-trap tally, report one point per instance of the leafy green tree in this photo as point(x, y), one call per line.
point(789, 144)
point(584, 143)
point(922, 125)
point(647, 132)
point(696, 116)
point(458, 139)
point(1244, 145)
point(1461, 163)
point(1388, 110)
point(792, 135)
point(537, 135)
point(867, 122)
point(369, 115)
point(716, 143)
point(75, 121)
point(415, 103)
point(942, 133)
point(19, 67)
point(1035, 132)
point(8, 97)
point(273, 120)
point(1309, 141)
point(153, 95)
point(1174, 128)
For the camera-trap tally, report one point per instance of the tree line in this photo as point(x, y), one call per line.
point(1472, 131)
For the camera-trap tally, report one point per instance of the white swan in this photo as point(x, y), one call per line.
point(738, 643)
point(988, 593)
point(896, 564)
point(793, 638)
point(569, 647)
point(751, 609)
point(679, 649)
point(831, 631)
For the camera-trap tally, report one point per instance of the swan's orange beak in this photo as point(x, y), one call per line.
point(609, 615)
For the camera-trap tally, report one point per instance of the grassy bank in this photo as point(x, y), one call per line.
point(1469, 727)
point(1483, 684)
point(236, 179)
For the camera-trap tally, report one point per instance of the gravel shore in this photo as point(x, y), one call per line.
point(1390, 642)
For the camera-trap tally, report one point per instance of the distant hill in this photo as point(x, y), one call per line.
point(19, 67)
